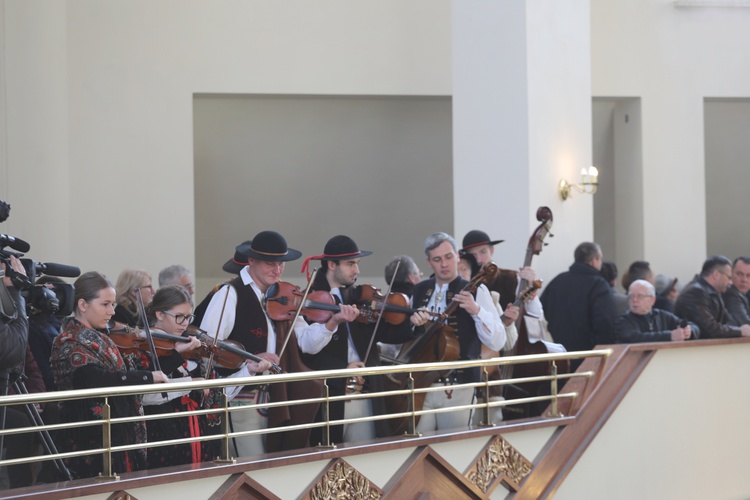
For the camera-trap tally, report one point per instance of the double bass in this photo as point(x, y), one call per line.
point(438, 343)
point(524, 345)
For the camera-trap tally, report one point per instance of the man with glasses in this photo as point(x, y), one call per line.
point(642, 323)
point(735, 298)
point(701, 301)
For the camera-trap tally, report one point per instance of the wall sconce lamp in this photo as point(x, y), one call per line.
point(589, 183)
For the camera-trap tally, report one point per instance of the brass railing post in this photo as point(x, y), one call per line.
point(554, 411)
point(412, 404)
point(326, 416)
point(106, 474)
point(487, 421)
point(224, 455)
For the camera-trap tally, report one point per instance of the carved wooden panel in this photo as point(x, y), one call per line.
point(427, 475)
point(121, 495)
point(242, 487)
point(342, 481)
point(499, 461)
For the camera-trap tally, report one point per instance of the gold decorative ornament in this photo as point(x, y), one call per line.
point(499, 460)
point(341, 481)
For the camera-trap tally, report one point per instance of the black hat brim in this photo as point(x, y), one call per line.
point(247, 251)
point(491, 243)
point(232, 267)
point(361, 253)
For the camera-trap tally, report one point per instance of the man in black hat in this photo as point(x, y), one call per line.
point(479, 244)
point(237, 313)
point(353, 344)
point(232, 266)
point(476, 322)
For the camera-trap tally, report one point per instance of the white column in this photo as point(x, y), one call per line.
point(521, 122)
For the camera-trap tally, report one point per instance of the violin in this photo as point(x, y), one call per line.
point(227, 353)
point(130, 340)
point(438, 343)
point(283, 299)
point(396, 309)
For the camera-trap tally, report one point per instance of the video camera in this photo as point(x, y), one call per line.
point(52, 297)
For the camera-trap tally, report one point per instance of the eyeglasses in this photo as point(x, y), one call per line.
point(639, 296)
point(151, 287)
point(181, 318)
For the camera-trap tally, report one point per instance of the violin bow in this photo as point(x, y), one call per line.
point(382, 310)
point(210, 363)
point(151, 346)
point(144, 319)
point(299, 309)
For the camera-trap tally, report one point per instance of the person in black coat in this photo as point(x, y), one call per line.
point(701, 301)
point(735, 298)
point(14, 331)
point(644, 323)
point(14, 324)
point(579, 305)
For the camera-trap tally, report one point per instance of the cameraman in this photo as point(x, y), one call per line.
point(14, 325)
point(44, 326)
point(14, 330)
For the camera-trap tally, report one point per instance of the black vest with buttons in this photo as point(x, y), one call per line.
point(250, 325)
point(460, 320)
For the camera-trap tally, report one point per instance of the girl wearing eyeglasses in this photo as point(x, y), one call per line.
point(170, 311)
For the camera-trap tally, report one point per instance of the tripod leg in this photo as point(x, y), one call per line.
point(5, 377)
point(47, 442)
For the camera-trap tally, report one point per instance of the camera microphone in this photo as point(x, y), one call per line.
point(14, 243)
point(60, 270)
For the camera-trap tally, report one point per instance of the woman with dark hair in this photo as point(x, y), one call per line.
point(82, 358)
point(170, 312)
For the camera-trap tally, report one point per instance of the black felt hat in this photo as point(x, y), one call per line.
point(338, 248)
point(269, 246)
point(236, 263)
point(342, 247)
point(475, 238)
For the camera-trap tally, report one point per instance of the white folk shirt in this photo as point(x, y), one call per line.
point(311, 338)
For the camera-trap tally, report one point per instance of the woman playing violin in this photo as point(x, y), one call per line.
point(170, 312)
point(83, 357)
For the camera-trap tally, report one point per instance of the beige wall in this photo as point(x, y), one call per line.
point(677, 434)
point(98, 111)
point(671, 58)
